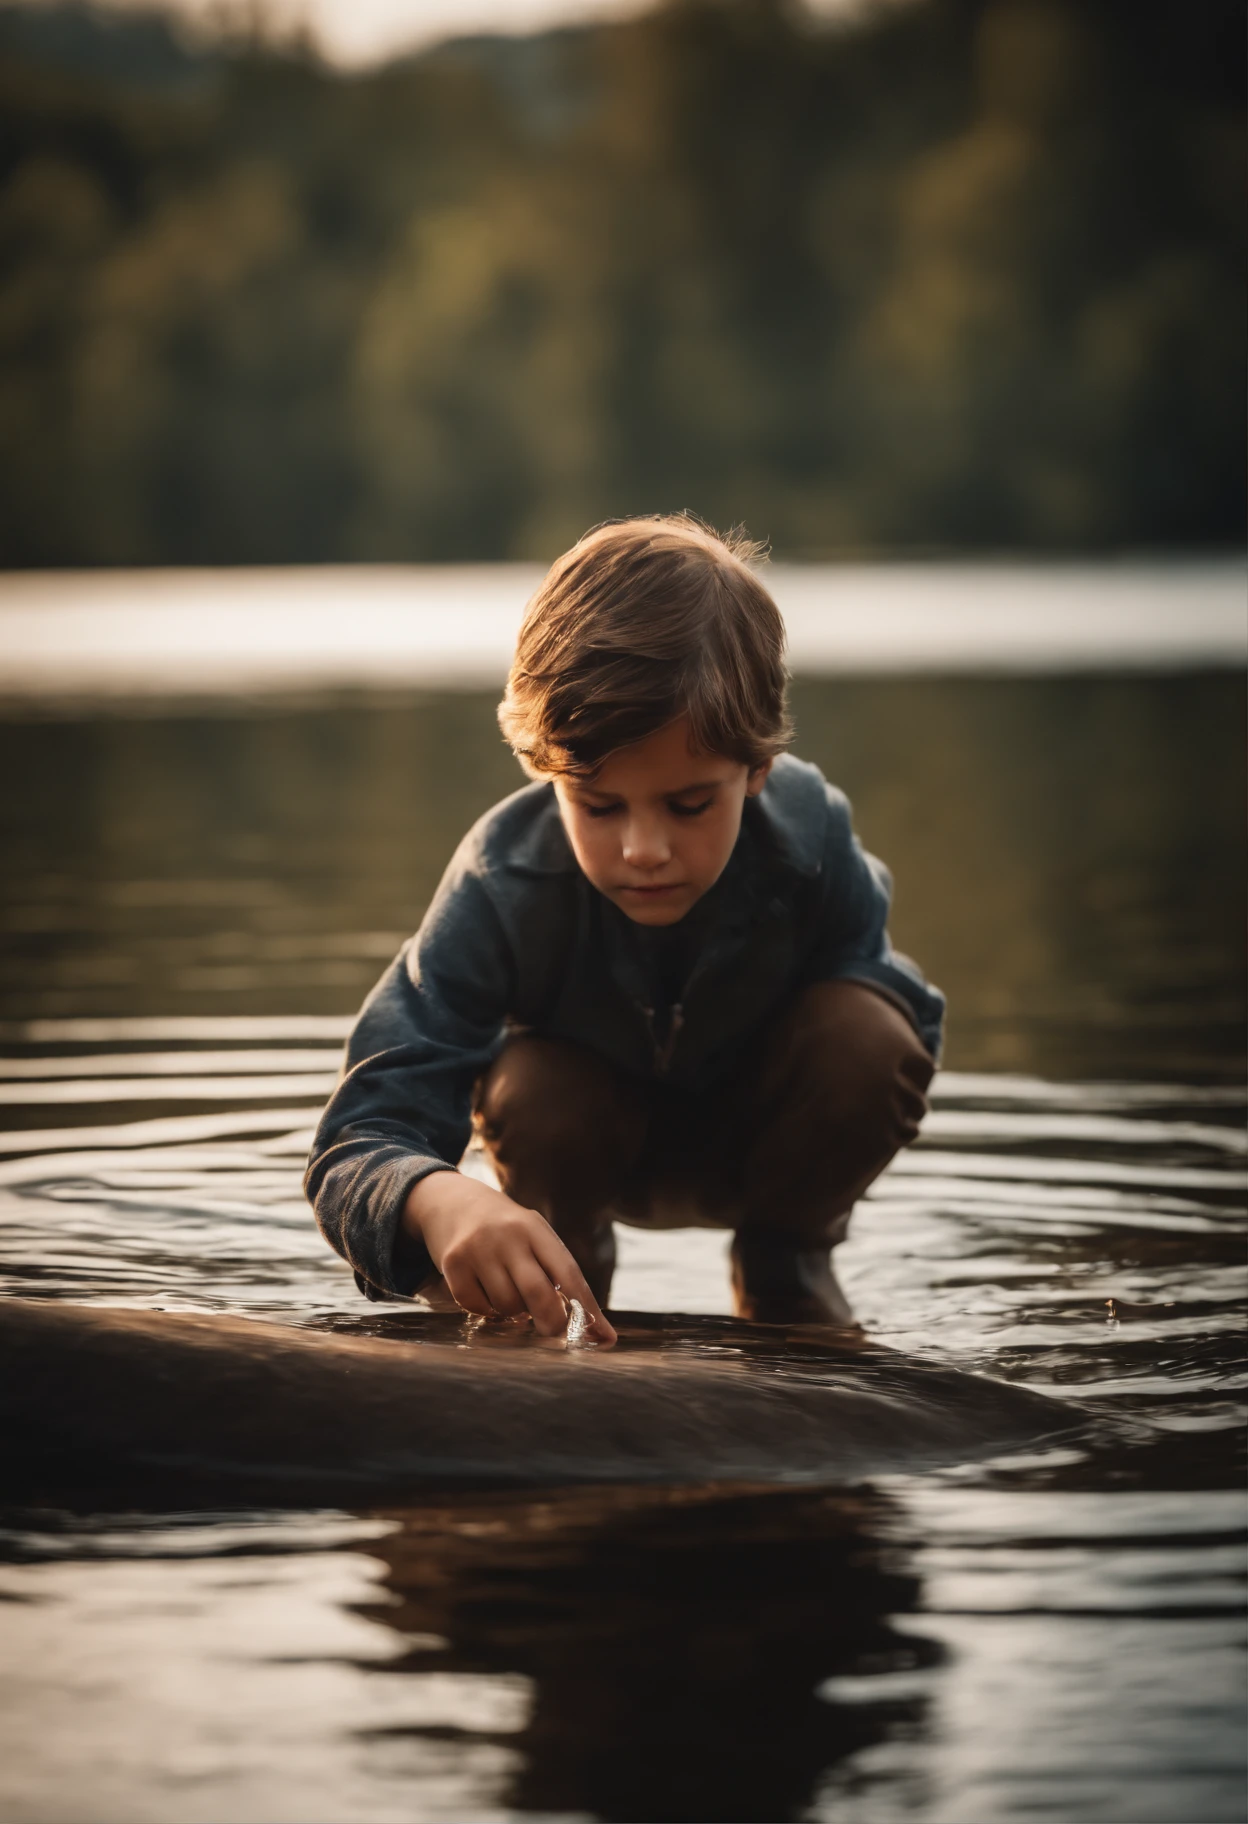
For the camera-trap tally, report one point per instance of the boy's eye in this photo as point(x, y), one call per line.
point(677, 808)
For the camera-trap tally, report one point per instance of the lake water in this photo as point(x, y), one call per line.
point(198, 891)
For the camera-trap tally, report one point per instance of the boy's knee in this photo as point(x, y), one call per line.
point(850, 1058)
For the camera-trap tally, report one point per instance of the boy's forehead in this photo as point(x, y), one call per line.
point(664, 761)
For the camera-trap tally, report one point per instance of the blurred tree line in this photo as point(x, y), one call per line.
point(959, 274)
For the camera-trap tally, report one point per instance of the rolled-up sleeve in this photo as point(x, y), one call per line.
point(403, 1106)
point(853, 944)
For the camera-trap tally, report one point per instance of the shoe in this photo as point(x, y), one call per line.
point(776, 1280)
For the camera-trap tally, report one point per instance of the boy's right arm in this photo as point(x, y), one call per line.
point(381, 1176)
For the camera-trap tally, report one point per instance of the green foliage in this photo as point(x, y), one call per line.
point(967, 274)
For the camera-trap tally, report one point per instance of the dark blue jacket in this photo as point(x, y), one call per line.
point(517, 937)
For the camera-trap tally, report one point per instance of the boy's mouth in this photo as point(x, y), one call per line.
point(654, 892)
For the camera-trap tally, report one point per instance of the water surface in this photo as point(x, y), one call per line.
point(1068, 854)
point(1056, 1631)
point(197, 896)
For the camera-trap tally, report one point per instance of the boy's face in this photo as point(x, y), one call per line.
point(654, 828)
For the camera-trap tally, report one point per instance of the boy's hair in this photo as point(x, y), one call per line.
point(643, 621)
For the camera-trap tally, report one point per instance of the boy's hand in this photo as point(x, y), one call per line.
point(497, 1258)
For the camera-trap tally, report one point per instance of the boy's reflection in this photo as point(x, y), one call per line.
point(675, 1639)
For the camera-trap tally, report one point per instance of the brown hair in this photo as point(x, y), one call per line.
point(642, 621)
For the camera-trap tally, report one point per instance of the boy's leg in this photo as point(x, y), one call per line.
point(562, 1129)
point(840, 1090)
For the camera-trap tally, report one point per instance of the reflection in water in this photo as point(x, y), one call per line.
point(676, 1646)
point(628, 1655)
point(1068, 854)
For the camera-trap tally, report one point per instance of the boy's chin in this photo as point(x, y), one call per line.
point(667, 910)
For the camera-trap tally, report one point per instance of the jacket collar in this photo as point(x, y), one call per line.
point(789, 816)
point(542, 848)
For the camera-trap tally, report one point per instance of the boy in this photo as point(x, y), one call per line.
point(658, 981)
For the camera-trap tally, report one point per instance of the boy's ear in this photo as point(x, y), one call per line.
point(757, 779)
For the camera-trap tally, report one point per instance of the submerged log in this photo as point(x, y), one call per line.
point(233, 1405)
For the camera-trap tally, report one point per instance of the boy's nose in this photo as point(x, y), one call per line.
point(645, 844)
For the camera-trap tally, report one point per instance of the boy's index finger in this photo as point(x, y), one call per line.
point(567, 1278)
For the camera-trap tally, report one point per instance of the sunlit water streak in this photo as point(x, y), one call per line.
point(111, 632)
point(1059, 1632)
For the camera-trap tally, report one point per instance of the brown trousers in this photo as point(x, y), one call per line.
point(779, 1153)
